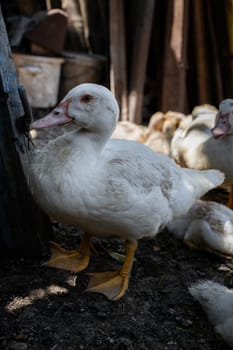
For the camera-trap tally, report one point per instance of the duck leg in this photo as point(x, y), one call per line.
point(72, 260)
point(115, 283)
point(230, 200)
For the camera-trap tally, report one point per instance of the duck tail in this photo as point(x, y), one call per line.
point(204, 180)
point(215, 177)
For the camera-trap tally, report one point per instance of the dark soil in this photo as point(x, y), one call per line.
point(47, 309)
point(44, 308)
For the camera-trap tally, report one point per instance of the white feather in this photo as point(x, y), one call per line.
point(217, 302)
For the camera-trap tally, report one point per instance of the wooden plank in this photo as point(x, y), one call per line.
point(215, 48)
point(229, 17)
point(96, 25)
point(144, 19)
point(22, 226)
point(75, 39)
point(179, 46)
point(28, 7)
point(174, 91)
point(201, 52)
point(170, 77)
point(118, 74)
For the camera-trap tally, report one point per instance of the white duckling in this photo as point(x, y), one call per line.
point(161, 134)
point(156, 121)
point(198, 112)
point(206, 226)
point(193, 132)
point(159, 141)
point(130, 131)
point(207, 143)
point(108, 187)
point(217, 302)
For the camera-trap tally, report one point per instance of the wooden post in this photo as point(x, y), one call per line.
point(201, 52)
point(139, 58)
point(174, 91)
point(229, 17)
point(215, 49)
point(179, 46)
point(118, 75)
point(24, 230)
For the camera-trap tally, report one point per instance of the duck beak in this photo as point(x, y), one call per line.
point(50, 120)
point(58, 116)
point(222, 125)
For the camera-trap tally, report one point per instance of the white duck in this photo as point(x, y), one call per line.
point(217, 301)
point(207, 143)
point(109, 188)
point(206, 226)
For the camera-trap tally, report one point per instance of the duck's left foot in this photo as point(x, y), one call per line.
point(111, 284)
point(114, 284)
point(71, 260)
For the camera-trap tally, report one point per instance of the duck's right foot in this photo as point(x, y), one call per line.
point(71, 260)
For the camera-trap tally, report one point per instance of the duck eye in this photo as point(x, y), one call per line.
point(56, 112)
point(86, 98)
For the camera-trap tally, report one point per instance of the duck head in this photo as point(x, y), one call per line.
point(90, 106)
point(224, 119)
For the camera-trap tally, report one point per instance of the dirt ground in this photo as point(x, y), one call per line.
point(47, 309)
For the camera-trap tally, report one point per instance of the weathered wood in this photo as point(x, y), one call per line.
point(229, 17)
point(201, 52)
point(170, 76)
point(118, 75)
point(23, 228)
point(179, 46)
point(215, 49)
point(174, 90)
point(75, 40)
point(28, 7)
point(81, 68)
point(140, 51)
point(95, 23)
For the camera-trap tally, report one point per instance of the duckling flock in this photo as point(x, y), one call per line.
point(118, 179)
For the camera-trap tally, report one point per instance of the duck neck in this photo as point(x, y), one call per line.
point(90, 142)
